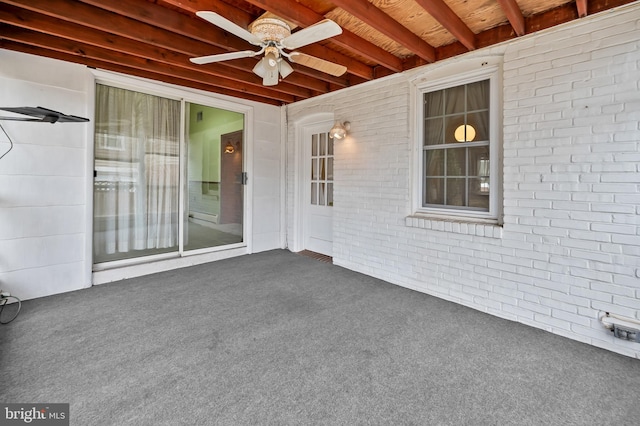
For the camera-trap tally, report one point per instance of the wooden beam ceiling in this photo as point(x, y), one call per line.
point(383, 23)
point(304, 17)
point(448, 19)
point(514, 15)
point(156, 38)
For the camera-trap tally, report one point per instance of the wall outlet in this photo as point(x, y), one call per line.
point(626, 333)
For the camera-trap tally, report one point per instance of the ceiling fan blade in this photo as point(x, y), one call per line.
point(316, 32)
point(317, 64)
point(229, 26)
point(223, 57)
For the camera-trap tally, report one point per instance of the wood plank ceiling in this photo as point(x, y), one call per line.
point(155, 38)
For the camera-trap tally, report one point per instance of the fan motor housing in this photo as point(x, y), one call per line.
point(269, 29)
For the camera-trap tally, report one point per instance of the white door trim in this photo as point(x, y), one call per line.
point(299, 188)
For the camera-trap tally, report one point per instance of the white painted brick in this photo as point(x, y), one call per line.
point(570, 238)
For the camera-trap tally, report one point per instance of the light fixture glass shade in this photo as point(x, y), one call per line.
point(465, 133)
point(285, 68)
point(270, 77)
point(259, 69)
point(268, 69)
point(339, 130)
point(229, 149)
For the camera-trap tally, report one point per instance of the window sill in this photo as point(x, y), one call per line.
point(466, 226)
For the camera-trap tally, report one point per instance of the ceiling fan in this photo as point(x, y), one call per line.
point(273, 35)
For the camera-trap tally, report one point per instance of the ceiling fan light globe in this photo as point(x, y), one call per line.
point(271, 61)
point(260, 70)
point(285, 68)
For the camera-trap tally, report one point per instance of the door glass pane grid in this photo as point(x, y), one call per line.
point(321, 170)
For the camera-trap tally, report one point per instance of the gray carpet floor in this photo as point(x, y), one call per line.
point(277, 338)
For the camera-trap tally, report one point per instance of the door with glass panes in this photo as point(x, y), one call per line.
point(318, 217)
point(160, 192)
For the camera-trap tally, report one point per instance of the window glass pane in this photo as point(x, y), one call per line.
point(322, 195)
point(479, 161)
point(314, 145)
point(456, 162)
point(314, 169)
point(480, 123)
point(323, 171)
point(330, 194)
point(323, 144)
point(452, 123)
point(330, 145)
point(433, 131)
point(314, 193)
point(455, 100)
point(434, 162)
point(478, 95)
point(456, 193)
point(434, 193)
point(479, 193)
point(330, 168)
point(434, 103)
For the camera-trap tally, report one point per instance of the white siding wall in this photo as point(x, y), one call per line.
point(43, 183)
point(46, 182)
point(570, 245)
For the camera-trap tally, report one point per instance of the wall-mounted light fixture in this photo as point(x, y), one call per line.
point(229, 149)
point(465, 133)
point(339, 130)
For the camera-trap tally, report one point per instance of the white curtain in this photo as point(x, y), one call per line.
point(137, 174)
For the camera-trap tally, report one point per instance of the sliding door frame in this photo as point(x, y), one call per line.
point(171, 260)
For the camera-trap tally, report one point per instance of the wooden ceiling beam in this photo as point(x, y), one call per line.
point(304, 17)
point(376, 18)
point(239, 17)
point(442, 13)
point(123, 69)
point(198, 29)
point(514, 15)
point(353, 66)
point(98, 19)
point(48, 42)
point(581, 5)
point(70, 31)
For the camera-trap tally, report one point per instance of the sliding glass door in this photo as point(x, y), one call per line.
point(150, 177)
point(214, 205)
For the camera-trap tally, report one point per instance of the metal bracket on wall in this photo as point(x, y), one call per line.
point(44, 115)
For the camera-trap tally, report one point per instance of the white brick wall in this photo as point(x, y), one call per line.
point(570, 244)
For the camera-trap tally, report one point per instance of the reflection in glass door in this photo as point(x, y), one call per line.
point(214, 202)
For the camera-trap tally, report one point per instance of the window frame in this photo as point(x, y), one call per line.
point(445, 77)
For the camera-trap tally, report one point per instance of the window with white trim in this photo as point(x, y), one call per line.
point(459, 146)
